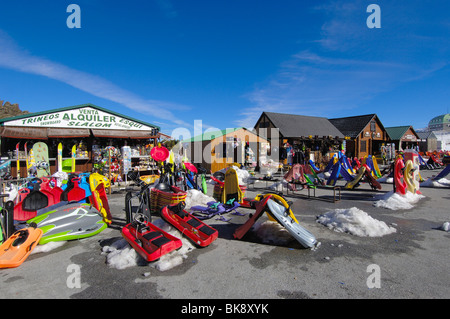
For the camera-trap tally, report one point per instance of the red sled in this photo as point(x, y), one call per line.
point(374, 184)
point(30, 203)
point(399, 180)
point(190, 226)
point(53, 192)
point(148, 240)
point(260, 209)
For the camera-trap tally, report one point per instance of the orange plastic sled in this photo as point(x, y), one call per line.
point(16, 249)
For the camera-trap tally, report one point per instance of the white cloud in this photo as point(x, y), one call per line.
point(349, 64)
point(15, 58)
point(315, 85)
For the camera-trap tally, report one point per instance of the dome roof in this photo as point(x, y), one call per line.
point(439, 120)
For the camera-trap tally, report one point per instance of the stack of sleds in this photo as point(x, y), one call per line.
point(165, 192)
point(434, 162)
point(47, 211)
point(151, 242)
point(41, 195)
point(354, 172)
point(165, 195)
point(276, 207)
point(168, 202)
point(174, 181)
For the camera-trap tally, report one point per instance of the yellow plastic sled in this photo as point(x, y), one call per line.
point(231, 187)
point(351, 184)
point(98, 184)
point(279, 200)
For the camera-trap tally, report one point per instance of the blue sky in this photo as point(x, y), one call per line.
point(175, 62)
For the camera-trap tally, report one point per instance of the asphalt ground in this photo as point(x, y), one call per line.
point(413, 263)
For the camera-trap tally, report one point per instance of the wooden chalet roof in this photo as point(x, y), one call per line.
point(397, 132)
point(292, 126)
point(352, 126)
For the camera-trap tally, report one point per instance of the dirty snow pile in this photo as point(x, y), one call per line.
point(48, 247)
point(242, 174)
point(279, 186)
point(443, 182)
point(12, 192)
point(269, 167)
point(271, 232)
point(121, 255)
point(324, 175)
point(385, 179)
point(395, 201)
point(195, 197)
point(356, 222)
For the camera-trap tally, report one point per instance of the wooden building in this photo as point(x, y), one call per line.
point(91, 128)
point(428, 141)
point(404, 137)
point(365, 134)
point(316, 137)
point(217, 150)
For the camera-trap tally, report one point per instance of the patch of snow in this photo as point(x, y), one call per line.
point(48, 247)
point(278, 186)
point(386, 179)
point(443, 182)
point(356, 222)
point(195, 197)
point(121, 255)
point(242, 174)
point(271, 232)
point(395, 201)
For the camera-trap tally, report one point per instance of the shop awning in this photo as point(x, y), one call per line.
point(34, 133)
point(67, 132)
point(38, 133)
point(123, 134)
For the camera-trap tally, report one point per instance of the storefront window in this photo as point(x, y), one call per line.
point(363, 146)
point(373, 126)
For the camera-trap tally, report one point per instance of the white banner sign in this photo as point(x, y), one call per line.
point(80, 118)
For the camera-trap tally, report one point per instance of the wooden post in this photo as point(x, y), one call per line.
point(109, 170)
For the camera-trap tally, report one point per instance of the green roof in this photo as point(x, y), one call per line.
point(72, 108)
point(208, 136)
point(441, 119)
point(396, 132)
